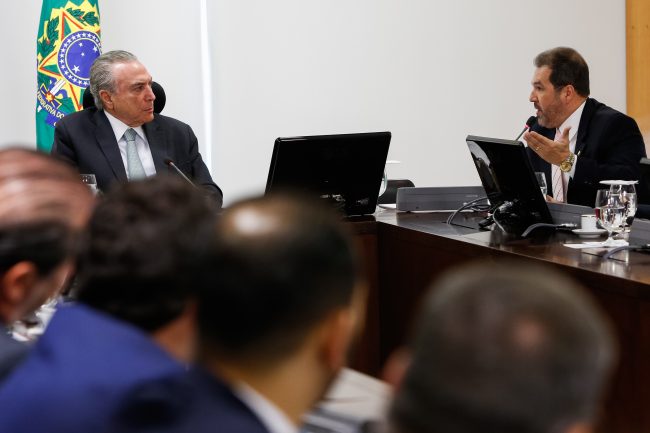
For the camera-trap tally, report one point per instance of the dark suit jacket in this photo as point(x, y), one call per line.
point(609, 145)
point(11, 353)
point(78, 372)
point(196, 402)
point(86, 140)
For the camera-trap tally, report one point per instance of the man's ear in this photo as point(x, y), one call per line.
point(15, 286)
point(343, 328)
point(395, 368)
point(179, 336)
point(568, 92)
point(580, 427)
point(337, 335)
point(107, 99)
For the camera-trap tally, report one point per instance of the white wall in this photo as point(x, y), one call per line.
point(164, 34)
point(430, 71)
point(19, 24)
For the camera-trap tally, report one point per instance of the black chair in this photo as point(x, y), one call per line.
point(158, 104)
point(390, 195)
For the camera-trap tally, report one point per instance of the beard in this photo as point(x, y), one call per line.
point(548, 118)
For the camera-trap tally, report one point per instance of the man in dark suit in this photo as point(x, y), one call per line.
point(139, 270)
point(578, 141)
point(122, 138)
point(275, 330)
point(43, 207)
point(501, 349)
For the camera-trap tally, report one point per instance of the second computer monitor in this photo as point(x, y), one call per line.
point(509, 181)
point(345, 169)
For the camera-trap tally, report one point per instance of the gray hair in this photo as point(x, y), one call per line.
point(101, 73)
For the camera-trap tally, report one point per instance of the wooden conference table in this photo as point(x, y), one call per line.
point(404, 252)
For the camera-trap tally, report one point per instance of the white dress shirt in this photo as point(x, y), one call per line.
point(141, 144)
point(268, 413)
point(574, 122)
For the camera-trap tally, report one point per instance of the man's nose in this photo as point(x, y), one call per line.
point(151, 96)
point(532, 97)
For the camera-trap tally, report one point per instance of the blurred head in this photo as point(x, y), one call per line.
point(285, 267)
point(43, 208)
point(504, 349)
point(560, 85)
point(145, 254)
point(121, 85)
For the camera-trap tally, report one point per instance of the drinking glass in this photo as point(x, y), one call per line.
point(610, 211)
point(91, 181)
point(541, 180)
point(628, 197)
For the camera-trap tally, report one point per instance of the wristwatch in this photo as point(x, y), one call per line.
point(567, 164)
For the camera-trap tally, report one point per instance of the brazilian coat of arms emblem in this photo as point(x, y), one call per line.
point(68, 43)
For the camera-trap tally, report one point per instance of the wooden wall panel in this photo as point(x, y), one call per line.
point(638, 64)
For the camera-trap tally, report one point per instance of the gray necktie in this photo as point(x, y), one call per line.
point(134, 168)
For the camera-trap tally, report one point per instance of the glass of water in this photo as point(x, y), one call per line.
point(541, 180)
point(628, 197)
point(91, 181)
point(629, 200)
point(610, 211)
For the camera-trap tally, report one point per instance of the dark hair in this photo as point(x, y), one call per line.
point(146, 253)
point(45, 244)
point(282, 264)
point(504, 348)
point(43, 206)
point(567, 67)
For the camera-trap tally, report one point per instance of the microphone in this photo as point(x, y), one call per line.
point(171, 164)
point(532, 120)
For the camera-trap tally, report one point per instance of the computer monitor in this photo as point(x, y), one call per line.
point(345, 169)
point(509, 181)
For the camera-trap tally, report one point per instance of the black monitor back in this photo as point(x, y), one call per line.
point(509, 181)
point(346, 169)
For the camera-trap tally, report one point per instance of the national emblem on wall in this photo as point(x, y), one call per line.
point(68, 42)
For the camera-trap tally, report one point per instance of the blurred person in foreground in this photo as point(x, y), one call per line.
point(275, 329)
point(139, 271)
point(497, 349)
point(43, 207)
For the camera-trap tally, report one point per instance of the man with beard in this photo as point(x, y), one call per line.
point(578, 141)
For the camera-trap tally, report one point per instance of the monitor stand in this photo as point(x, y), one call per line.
point(512, 217)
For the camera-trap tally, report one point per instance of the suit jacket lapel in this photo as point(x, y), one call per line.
point(585, 119)
point(157, 144)
point(106, 140)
